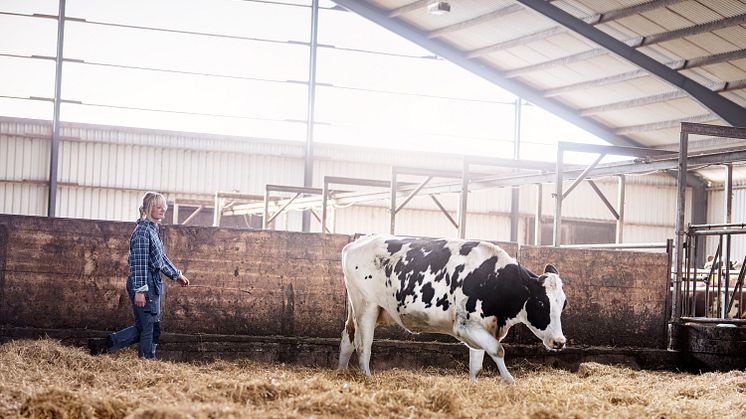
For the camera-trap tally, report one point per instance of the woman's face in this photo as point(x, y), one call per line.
point(158, 212)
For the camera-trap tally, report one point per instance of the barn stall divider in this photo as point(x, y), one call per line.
point(279, 296)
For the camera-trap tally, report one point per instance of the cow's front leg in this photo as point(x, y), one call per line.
point(476, 336)
point(476, 359)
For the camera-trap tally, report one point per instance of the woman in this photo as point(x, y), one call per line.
point(144, 285)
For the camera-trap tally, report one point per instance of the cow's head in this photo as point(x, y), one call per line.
point(544, 308)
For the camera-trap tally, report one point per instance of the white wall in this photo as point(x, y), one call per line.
point(103, 171)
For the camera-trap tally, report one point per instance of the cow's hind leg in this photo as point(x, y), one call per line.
point(476, 359)
point(366, 325)
point(347, 345)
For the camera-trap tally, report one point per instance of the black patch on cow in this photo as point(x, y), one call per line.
point(537, 306)
point(504, 291)
point(421, 258)
point(466, 248)
point(427, 294)
point(550, 269)
point(443, 301)
point(393, 246)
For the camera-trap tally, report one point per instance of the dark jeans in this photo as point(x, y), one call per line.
point(147, 328)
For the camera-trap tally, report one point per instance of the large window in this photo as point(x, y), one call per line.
point(241, 67)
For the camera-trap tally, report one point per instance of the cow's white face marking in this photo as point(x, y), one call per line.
point(551, 335)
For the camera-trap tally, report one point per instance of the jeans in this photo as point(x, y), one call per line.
point(146, 331)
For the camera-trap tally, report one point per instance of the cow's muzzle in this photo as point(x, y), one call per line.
point(557, 344)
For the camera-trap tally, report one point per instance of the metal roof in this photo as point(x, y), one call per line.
point(627, 71)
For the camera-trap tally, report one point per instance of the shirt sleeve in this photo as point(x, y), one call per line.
point(169, 269)
point(140, 248)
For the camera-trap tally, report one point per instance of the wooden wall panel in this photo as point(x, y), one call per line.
point(70, 274)
point(62, 273)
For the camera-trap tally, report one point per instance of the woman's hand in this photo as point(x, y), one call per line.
point(140, 299)
point(183, 281)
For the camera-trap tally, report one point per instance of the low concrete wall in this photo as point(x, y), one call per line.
point(70, 274)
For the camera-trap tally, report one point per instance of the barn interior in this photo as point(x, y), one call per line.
point(258, 221)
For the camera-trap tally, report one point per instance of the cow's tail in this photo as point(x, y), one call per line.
point(347, 344)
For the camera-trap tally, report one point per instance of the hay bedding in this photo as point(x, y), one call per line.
point(46, 379)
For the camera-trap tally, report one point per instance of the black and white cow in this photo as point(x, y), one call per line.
point(471, 290)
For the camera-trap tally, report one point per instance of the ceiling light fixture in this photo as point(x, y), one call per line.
point(438, 7)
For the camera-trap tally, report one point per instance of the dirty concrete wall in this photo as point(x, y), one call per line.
point(615, 298)
point(70, 274)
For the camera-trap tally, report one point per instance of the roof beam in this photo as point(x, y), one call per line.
point(484, 70)
point(406, 8)
point(672, 123)
point(618, 78)
point(629, 11)
point(688, 31)
point(510, 43)
point(504, 11)
point(636, 42)
point(663, 97)
point(514, 8)
point(626, 104)
point(730, 112)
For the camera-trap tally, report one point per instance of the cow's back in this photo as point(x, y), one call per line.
point(416, 281)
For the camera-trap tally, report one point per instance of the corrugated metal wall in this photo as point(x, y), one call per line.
point(716, 215)
point(103, 171)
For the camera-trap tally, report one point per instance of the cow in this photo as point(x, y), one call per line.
point(472, 290)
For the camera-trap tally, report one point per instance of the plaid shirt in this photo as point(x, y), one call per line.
point(147, 256)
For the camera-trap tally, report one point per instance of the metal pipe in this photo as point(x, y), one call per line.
point(707, 226)
point(324, 202)
point(679, 229)
point(392, 208)
point(54, 152)
point(462, 203)
point(728, 193)
point(616, 246)
point(444, 210)
point(265, 215)
point(282, 209)
point(537, 216)
point(582, 176)
point(515, 193)
point(711, 320)
point(310, 119)
point(216, 211)
point(620, 205)
point(413, 194)
point(718, 232)
point(557, 240)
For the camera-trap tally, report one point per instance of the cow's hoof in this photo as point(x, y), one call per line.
point(508, 380)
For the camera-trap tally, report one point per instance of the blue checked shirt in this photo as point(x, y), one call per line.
point(147, 256)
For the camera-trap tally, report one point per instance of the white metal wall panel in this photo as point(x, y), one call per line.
point(23, 199)
point(371, 219)
point(716, 215)
point(103, 171)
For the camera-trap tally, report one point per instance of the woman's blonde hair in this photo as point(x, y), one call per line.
point(150, 200)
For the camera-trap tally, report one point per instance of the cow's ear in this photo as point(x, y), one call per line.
point(550, 269)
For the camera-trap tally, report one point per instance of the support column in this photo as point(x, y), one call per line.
point(620, 205)
point(515, 192)
point(308, 162)
point(462, 203)
point(537, 217)
point(680, 226)
point(54, 149)
point(728, 192)
point(557, 240)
